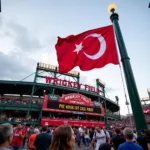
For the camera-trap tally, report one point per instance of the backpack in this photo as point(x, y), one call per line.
point(106, 136)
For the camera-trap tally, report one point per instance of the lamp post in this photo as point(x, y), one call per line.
point(0, 6)
point(129, 77)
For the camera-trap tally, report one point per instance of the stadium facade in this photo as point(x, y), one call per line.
point(54, 99)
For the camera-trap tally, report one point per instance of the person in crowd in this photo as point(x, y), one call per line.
point(18, 137)
point(6, 136)
point(107, 135)
point(144, 139)
point(92, 132)
point(81, 131)
point(117, 139)
point(110, 132)
point(106, 146)
point(140, 137)
point(99, 137)
point(134, 136)
point(78, 138)
point(63, 138)
point(48, 130)
point(43, 140)
point(148, 139)
point(32, 139)
point(87, 138)
point(30, 131)
point(24, 130)
point(129, 144)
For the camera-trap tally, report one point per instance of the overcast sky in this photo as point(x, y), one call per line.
point(29, 30)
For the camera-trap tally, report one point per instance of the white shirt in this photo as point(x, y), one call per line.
point(81, 131)
point(134, 137)
point(101, 140)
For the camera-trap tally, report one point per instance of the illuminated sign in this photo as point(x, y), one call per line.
point(79, 108)
point(76, 99)
point(53, 97)
point(71, 84)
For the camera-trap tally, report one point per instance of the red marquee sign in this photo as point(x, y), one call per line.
point(72, 102)
point(76, 99)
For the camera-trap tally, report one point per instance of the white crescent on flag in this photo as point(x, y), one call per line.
point(102, 46)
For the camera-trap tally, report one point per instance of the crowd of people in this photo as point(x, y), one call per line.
point(126, 121)
point(19, 101)
point(66, 137)
point(18, 119)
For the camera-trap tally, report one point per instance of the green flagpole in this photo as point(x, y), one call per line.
point(137, 110)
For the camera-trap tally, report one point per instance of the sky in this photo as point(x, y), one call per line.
point(29, 31)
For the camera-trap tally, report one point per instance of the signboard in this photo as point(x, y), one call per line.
point(79, 108)
point(53, 97)
point(77, 99)
point(96, 103)
point(71, 84)
point(72, 103)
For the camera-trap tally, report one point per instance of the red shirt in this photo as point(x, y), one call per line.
point(17, 140)
point(24, 132)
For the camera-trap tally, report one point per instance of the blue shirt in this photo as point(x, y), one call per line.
point(129, 146)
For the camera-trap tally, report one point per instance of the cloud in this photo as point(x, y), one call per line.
point(15, 66)
point(23, 38)
point(19, 51)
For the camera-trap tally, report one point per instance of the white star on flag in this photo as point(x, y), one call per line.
point(78, 48)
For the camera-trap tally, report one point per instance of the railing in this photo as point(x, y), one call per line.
point(4, 104)
point(28, 122)
point(114, 116)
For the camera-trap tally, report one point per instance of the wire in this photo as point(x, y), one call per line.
point(127, 103)
point(28, 76)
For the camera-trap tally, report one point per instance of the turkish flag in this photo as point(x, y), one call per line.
point(88, 50)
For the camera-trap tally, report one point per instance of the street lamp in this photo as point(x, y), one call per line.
point(111, 7)
point(129, 77)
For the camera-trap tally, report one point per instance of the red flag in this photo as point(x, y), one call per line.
point(88, 50)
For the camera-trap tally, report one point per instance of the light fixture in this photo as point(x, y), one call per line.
point(101, 82)
point(111, 7)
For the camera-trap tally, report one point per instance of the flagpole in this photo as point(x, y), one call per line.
point(128, 73)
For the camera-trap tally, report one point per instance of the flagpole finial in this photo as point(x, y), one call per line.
point(112, 8)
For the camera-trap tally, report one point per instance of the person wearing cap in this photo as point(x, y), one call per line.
point(129, 144)
point(32, 139)
point(6, 136)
